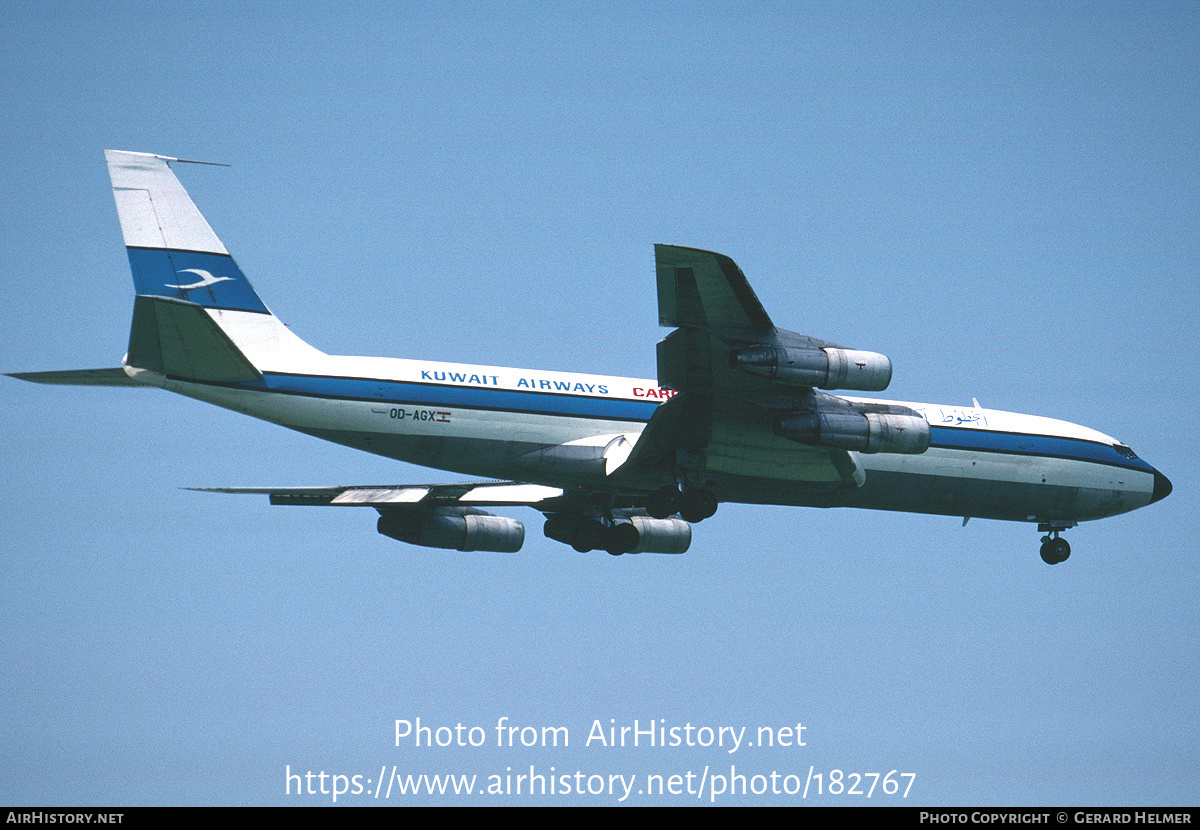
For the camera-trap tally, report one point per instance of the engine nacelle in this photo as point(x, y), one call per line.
point(863, 432)
point(634, 534)
point(454, 528)
point(827, 368)
point(661, 535)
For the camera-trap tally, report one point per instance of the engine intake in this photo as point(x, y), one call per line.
point(826, 368)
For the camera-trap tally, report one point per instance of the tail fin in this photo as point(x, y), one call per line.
point(173, 251)
point(196, 316)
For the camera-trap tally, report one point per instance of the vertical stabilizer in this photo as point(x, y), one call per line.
point(196, 316)
point(173, 251)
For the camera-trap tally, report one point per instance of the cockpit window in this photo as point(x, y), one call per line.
point(1124, 450)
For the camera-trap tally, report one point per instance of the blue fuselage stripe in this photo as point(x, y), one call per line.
point(1044, 446)
point(617, 409)
point(472, 397)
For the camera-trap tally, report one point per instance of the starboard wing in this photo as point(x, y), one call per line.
point(720, 425)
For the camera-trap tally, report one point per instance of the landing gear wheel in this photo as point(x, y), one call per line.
point(587, 535)
point(1048, 556)
point(1061, 548)
point(664, 502)
point(1055, 549)
point(698, 505)
point(621, 538)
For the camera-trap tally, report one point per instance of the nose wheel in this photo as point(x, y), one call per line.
point(1055, 549)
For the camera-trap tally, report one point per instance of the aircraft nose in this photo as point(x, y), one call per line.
point(1162, 487)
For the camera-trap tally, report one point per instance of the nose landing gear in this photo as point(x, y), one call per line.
point(1055, 549)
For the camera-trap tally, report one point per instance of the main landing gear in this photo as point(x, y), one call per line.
point(1055, 549)
point(691, 505)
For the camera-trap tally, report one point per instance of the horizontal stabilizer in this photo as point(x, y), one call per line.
point(180, 340)
point(80, 377)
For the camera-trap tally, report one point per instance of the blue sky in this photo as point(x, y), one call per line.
point(1001, 197)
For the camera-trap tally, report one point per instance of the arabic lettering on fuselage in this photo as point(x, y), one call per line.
point(957, 415)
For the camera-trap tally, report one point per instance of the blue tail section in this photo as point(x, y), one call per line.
point(199, 277)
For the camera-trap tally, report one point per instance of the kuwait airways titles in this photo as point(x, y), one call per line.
point(537, 384)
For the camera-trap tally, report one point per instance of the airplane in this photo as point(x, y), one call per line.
point(741, 411)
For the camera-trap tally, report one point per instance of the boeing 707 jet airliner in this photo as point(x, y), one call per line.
point(741, 411)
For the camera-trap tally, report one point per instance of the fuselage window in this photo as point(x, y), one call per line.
point(1124, 450)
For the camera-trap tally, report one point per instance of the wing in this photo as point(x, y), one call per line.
point(410, 496)
point(430, 515)
point(721, 428)
point(701, 288)
point(449, 515)
point(717, 314)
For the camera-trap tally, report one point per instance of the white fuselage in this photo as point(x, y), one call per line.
point(511, 423)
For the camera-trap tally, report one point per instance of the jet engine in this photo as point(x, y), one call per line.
point(848, 429)
point(661, 535)
point(825, 368)
point(456, 528)
point(630, 534)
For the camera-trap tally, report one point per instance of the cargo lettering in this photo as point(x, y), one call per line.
point(639, 392)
